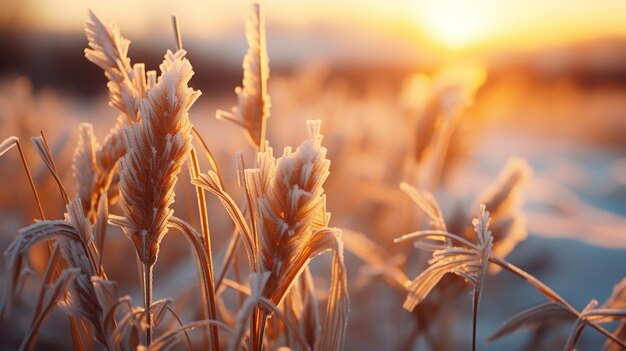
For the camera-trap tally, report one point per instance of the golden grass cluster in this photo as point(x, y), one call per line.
point(260, 291)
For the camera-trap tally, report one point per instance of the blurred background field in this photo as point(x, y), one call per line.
point(553, 92)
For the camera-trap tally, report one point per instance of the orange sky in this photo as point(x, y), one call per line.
point(450, 24)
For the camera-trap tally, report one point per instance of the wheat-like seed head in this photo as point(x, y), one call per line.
point(156, 149)
point(291, 222)
point(290, 205)
point(128, 86)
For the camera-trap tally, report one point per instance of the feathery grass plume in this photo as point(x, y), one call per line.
point(253, 107)
point(289, 206)
point(156, 150)
point(128, 86)
point(503, 200)
point(289, 202)
point(112, 148)
point(470, 261)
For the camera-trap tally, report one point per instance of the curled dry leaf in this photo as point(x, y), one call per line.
point(211, 182)
point(27, 237)
point(547, 312)
point(552, 313)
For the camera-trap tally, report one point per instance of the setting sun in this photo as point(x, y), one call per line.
point(454, 24)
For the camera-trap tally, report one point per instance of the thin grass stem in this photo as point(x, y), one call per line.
point(148, 300)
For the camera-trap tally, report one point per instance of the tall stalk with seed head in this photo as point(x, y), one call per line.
point(156, 148)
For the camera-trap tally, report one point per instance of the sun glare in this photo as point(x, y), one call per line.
point(454, 24)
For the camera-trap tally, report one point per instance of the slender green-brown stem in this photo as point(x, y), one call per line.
point(206, 236)
point(209, 155)
point(262, 81)
point(263, 318)
point(228, 258)
point(77, 336)
point(180, 322)
point(53, 168)
point(474, 317)
point(147, 293)
point(30, 179)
